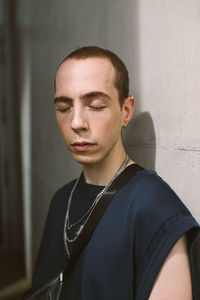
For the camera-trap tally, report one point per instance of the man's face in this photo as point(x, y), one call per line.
point(88, 112)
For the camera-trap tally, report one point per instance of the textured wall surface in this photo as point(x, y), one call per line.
point(160, 43)
point(168, 64)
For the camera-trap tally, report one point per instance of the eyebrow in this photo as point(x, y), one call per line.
point(62, 99)
point(87, 96)
point(95, 94)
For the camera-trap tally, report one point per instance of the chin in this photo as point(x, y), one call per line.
point(83, 159)
point(86, 159)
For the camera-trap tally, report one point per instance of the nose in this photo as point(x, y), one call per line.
point(79, 120)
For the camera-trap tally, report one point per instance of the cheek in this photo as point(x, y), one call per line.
point(63, 126)
point(108, 124)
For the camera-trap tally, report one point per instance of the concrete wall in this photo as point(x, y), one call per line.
point(168, 64)
point(160, 42)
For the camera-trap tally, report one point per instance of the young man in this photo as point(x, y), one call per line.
point(140, 248)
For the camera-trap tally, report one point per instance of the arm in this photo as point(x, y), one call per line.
point(174, 278)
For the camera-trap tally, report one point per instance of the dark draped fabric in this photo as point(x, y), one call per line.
point(125, 253)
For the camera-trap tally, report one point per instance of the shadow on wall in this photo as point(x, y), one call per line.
point(140, 140)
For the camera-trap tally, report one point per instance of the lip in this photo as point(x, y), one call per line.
point(82, 146)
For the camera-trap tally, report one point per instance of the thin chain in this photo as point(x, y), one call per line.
point(87, 215)
point(69, 226)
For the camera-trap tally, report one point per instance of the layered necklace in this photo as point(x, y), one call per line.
point(83, 220)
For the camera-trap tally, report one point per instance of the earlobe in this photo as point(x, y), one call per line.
point(128, 108)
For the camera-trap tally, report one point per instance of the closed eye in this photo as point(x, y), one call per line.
point(97, 107)
point(63, 110)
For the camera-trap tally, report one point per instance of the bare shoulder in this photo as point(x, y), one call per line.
point(174, 278)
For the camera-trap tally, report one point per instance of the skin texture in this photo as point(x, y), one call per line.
point(174, 279)
point(90, 119)
point(88, 111)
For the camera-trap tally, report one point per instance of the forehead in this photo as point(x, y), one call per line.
point(86, 73)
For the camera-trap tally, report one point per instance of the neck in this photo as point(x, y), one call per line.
point(101, 173)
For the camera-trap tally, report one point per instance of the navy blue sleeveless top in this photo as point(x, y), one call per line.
point(129, 245)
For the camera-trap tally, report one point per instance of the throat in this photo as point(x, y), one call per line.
point(102, 175)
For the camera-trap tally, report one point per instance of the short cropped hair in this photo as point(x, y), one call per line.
point(121, 74)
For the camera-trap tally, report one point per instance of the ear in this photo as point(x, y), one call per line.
point(128, 107)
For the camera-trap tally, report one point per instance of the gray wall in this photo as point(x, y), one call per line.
point(159, 41)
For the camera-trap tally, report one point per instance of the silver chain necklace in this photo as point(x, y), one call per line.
point(86, 216)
